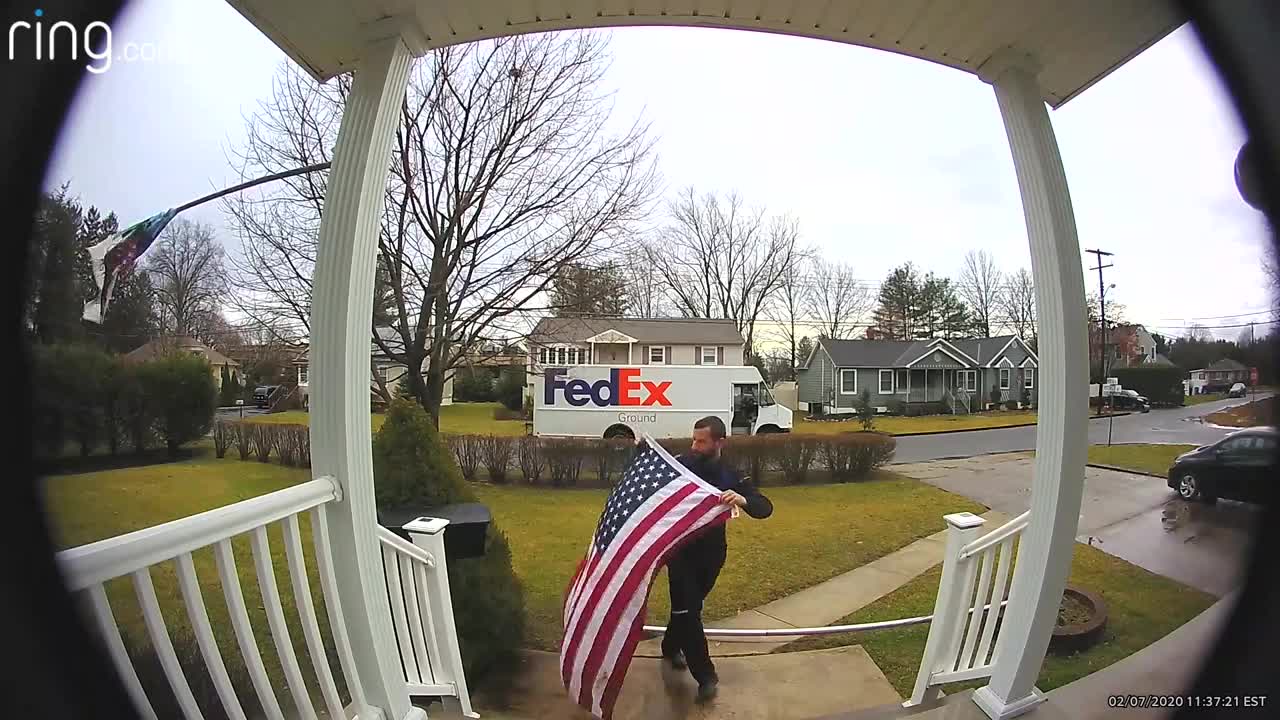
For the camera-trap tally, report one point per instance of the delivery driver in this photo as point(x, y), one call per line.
point(692, 570)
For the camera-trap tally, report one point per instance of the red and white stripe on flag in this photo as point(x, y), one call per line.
point(656, 506)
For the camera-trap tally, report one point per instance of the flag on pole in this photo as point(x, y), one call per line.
point(115, 257)
point(656, 506)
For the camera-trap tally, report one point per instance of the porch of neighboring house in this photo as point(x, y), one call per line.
point(387, 599)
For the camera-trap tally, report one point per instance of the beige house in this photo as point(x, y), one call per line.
point(384, 369)
point(562, 342)
point(162, 347)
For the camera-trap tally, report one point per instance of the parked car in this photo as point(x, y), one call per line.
point(1241, 466)
point(1237, 391)
point(1130, 400)
point(264, 394)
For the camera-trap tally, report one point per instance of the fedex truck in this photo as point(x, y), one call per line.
point(662, 400)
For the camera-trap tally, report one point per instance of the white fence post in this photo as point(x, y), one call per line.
point(428, 534)
point(951, 606)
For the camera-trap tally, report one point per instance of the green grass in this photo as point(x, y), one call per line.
point(91, 506)
point(1142, 608)
point(1154, 459)
point(897, 425)
point(816, 532)
point(459, 419)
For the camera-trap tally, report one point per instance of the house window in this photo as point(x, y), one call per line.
point(1028, 377)
point(302, 375)
point(562, 356)
point(967, 380)
point(710, 355)
point(901, 382)
point(542, 356)
point(849, 382)
point(886, 382)
point(1004, 378)
point(657, 355)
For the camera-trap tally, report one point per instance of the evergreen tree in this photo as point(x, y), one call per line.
point(803, 350)
point(898, 305)
point(55, 301)
point(582, 290)
point(941, 312)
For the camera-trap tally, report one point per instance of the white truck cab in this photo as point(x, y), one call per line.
point(663, 400)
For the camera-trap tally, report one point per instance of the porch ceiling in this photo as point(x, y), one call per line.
point(1078, 42)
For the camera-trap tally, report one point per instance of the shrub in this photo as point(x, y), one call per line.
point(222, 434)
point(854, 455)
point(286, 444)
point(532, 462)
point(497, 452)
point(866, 413)
point(947, 402)
point(897, 407)
point(412, 466)
point(472, 385)
point(795, 455)
point(510, 389)
point(304, 445)
point(183, 395)
point(261, 440)
point(243, 438)
point(466, 450)
point(564, 460)
point(748, 455)
point(1160, 385)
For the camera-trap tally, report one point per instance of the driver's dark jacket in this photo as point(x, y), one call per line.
point(706, 551)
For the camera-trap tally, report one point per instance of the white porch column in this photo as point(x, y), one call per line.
point(342, 305)
point(1061, 430)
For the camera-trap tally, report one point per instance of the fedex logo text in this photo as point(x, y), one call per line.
point(622, 388)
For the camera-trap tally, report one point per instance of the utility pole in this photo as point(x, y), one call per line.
point(1102, 310)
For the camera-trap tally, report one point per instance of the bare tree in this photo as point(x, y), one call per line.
point(786, 312)
point(979, 286)
point(720, 259)
point(836, 301)
point(186, 271)
point(502, 175)
point(645, 295)
point(1018, 305)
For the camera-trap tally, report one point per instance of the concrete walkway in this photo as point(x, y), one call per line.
point(825, 603)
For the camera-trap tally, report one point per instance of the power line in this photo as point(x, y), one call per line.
point(1223, 317)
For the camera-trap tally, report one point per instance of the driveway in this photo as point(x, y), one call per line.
point(1134, 517)
point(1169, 425)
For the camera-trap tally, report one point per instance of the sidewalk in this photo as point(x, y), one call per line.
point(827, 602)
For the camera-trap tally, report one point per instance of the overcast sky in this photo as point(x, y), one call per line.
point(882, 158)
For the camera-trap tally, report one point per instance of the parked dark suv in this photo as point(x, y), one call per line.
point(1240, 466)
point(264, 394)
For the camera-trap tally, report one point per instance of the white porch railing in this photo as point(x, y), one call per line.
point(417, 582)
point(88, 567)
point(975, 583)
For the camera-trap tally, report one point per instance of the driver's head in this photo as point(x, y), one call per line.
point(708, 437)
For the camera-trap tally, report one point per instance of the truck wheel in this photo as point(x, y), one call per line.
point(769, 430)
point(616, 432)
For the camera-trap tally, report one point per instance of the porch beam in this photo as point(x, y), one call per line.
point(342, 305)
point(1061, 430)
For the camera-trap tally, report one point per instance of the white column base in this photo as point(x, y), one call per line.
point(416, 713)
point(998, 709)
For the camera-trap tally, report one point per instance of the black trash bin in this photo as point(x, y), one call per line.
point(464, 536)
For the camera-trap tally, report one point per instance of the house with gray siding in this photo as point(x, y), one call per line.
point(906, 372)
point(569, 341)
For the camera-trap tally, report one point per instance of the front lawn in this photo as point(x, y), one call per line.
point(899, 425)
point(816, 532)
point(1142, 608)
point(458, 419)
point(1153, 459)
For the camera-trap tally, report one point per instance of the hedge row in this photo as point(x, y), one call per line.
point(291, 444)
point(93, 400)
point(767, 459)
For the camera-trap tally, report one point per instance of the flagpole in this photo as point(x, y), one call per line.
point(252, 183)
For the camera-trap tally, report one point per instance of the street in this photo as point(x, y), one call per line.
point(1161, 426)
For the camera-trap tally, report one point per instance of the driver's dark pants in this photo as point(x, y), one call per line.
point(691, 574)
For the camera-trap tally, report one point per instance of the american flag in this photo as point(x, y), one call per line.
point(115, 257)
point(657, 505)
